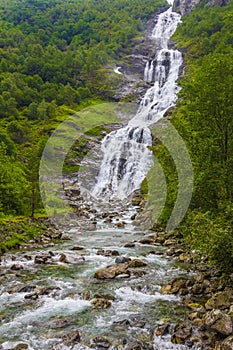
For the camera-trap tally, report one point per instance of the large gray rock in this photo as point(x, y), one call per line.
point(184, 7)
point(216, 320)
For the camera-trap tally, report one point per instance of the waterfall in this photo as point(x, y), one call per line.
point(127, 158)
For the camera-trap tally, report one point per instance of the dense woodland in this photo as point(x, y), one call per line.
point(53, 55)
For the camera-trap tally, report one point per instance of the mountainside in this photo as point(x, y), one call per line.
point(58, 57)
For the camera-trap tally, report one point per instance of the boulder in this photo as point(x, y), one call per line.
point(136, 263)
point(70, 259)
point(122, 259)
point(107, 252)
point(174, 286)
point(216, 320)
point(16, 267)
point(129, 245)
point(71, 338)
point(181, 335)
point(220, 300)
point(101, 342)
point(101, 303)
point(104, 295)
point(227, 344)
point(147, 241)
point(112, 271)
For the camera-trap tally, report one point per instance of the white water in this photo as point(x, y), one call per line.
point(126, 157)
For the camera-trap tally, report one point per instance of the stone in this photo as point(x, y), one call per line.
point(77, 248)
point(220, 300)
point(216, 320)
point(42, 259)
point(181, 335)
point(71, 338)
point(49, 290)
point(136, 263)
point(104, 295)
point(147, 241)
point(112, 271)
point(122, 259)
point(107, 252)
point(129, 245)
point(101, 303)
point(174, 286)
point(227, 344)
point(162, 330)
point(32, 296)
point(26, 289)
point(101, 342)
point(69, 259)
point(16, 267)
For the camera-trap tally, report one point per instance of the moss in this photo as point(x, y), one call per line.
point(19, 230)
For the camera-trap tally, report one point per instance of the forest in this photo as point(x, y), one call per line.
point(53, 58)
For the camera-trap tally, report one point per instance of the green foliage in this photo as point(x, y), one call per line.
point(204, 119)
point(211, 237)
point(14, 232)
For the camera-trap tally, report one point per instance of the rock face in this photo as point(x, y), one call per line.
point(184, 7)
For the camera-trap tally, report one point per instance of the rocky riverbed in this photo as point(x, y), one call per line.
point(112, 288)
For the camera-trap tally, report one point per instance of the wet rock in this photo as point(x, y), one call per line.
point(147, 241)
point(120, 224)
point(16, 267)
point(65, 237)
point(122, 259)
point(85, 294)
point(71, 338)
point(104, 295)
point(101, 303)
point(197, 308)
point(162, 330)
point(170, 241)
point(129, 245)
point(139, 273)
point(174, 286)
point(227, 344)
point(101, 342)
point(124, 323)
point(77, 248)
point(112, 271)
point(42, 258)
point(26, 289)
point(220, 300)
point(59, 324)
point(216, 320)
point(107, 252)
point(181, 335)
point(32, 296)
point(136, 263)
point(69, 259)
point(49, 290)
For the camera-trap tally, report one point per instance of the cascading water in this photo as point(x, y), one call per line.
point(127, 158)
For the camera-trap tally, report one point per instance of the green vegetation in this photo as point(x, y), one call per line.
point(16, 231)
point(204, 118)
point(53, 59)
